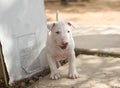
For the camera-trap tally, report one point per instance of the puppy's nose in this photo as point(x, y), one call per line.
point(65, 43)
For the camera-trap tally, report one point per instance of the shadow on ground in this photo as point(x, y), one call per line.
point(95, 72)
point(99, 72)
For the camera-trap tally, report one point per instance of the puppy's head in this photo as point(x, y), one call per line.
point(61, 33)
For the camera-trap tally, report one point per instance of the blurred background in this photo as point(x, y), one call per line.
point(88, 12)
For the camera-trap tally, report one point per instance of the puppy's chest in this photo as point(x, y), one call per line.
point(61, 54)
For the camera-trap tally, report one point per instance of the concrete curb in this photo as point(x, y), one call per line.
point(96, 52)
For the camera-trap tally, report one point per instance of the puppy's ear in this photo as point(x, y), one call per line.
point(50, 26)
point(71, 25)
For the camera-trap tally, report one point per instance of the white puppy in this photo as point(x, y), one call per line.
point(60, 45)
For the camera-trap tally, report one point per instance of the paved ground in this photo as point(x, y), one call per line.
point(95, 72)
point(96, 37)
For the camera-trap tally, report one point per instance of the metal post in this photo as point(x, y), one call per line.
point(57, 15)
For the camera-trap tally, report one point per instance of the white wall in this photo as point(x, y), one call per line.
point(23, 34)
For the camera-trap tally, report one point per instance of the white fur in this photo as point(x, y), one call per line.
point(56, 53)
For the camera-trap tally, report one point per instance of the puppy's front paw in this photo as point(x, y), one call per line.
point(73, 75)
point(55, 76)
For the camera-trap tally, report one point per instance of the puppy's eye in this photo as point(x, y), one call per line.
point(68, 31)
point(57, 32)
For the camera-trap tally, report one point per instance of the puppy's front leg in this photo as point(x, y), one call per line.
point(53, 68)
point(72, 67)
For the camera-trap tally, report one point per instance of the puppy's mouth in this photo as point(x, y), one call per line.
point(63, 47)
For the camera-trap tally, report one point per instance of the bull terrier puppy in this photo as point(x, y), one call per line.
point(60, 45)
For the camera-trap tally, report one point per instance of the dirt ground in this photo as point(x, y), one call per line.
point(95, 72)
point(105, 12)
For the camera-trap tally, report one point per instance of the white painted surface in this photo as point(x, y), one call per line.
point(23, 34)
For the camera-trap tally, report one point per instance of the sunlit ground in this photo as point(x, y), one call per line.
point(94, 12)
point(95, 72)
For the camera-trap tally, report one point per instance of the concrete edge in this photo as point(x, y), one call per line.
point(96, 52)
